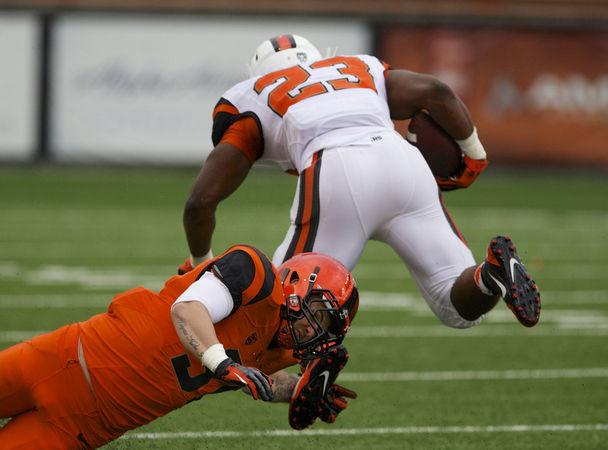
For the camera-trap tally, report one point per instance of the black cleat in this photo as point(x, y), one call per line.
point(505, 274)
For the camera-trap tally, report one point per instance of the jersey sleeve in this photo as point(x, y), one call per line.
point(243, 130)
point(247, 273)
point(387, 68)
point(212, 293)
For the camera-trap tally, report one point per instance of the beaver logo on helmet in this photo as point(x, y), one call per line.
point(314, 282)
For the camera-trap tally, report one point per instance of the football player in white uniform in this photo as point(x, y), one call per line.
point(329, 120)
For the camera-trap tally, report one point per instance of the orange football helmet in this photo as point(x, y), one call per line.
point(314, 282)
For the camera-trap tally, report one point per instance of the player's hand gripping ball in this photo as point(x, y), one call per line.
point(439, 149)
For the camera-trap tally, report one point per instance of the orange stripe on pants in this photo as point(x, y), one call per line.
point(307, 219)
point(451, 221)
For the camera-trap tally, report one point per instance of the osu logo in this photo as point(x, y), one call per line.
point(253, 337)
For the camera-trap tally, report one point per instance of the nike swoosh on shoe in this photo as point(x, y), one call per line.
point(501, 286)
point(512, 263)
point(325, 375)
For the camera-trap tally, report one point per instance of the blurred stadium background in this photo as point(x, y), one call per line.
point(105, 118)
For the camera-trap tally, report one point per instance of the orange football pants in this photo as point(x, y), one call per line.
point(44, 390)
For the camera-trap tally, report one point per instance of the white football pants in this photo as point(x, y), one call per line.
point(383, 191)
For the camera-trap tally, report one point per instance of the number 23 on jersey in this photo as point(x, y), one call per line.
point(351, 73)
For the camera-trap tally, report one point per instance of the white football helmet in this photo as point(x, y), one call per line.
point(280, 52)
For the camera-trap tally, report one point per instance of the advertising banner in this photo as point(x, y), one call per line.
point(536, 96)
point(19, 35)
point(141, 89)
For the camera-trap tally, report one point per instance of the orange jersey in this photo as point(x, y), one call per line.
point(140, 370)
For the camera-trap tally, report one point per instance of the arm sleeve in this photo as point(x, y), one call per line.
point(247, 273)
point(212, 293)
point(243, 130)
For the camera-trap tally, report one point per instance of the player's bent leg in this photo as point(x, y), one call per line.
point(468, 299)
point(15, 395)
point(503, 273)
point(324, 214)
point(280, 254)
point(445, 310)
point(430, 244)
point(28, 430)
point(65, 409)
point(436, 259)
point(304, 214)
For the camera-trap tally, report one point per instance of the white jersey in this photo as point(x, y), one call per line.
point(359, 179)
point(300, 110)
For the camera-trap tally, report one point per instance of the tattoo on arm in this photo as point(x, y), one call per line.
point(189, 338)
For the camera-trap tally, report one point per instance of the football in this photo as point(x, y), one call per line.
point(439, 149)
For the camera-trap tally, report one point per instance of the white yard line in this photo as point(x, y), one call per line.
point(559, 318)
point(539, 374)
point(364, 431)
point(488, 329)
point(574, 329)
point(55, 301)
point(370, 300)
point(127, 277)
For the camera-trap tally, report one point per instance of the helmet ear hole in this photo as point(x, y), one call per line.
point(294, 277)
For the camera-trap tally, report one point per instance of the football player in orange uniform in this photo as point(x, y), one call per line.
point(330, 120)
point(222, 326)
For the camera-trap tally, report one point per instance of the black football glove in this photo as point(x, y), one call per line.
point(240, 376)
point(334, 402)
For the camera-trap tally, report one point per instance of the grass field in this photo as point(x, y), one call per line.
point(71, 238)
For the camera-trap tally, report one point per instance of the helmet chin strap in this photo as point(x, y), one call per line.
point(312, 280)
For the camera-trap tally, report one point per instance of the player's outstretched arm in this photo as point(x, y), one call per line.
point(224, 170)
point(194, 327)
point(195, 330)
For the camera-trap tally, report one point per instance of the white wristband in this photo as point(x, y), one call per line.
point(213, 356)
point(472, 147)
point(412, 138)
point(196, 260)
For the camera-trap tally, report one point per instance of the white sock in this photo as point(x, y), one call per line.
point(479, 281)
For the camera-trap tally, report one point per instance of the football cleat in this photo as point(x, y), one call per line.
point(504, 274)
point(311, 391)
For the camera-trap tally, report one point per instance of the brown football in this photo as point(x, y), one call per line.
point(442, 153)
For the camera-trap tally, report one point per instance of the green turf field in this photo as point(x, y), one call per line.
point(70, 238)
